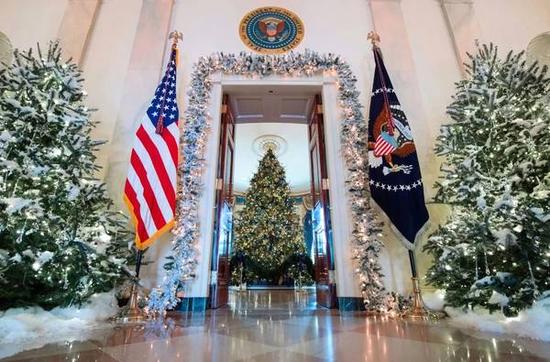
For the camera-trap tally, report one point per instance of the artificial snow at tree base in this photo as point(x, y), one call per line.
point(530, 323)
point(29, 328)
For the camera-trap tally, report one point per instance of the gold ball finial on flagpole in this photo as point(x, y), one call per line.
point(374, 38)
point(176, 36)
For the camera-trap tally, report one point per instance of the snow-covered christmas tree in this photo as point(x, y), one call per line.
point(60, 241)
point(494, 250)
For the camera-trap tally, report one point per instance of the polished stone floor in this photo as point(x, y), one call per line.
point(286, 326)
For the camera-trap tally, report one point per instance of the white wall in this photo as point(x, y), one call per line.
point(127, 43)
point(27, 22)
point(105, 66)
point(511, 24)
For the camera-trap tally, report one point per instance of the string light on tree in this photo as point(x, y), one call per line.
point(60, 240)
point(496, 177)
point(267, 230)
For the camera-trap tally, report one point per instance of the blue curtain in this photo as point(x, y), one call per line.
point(308, 231)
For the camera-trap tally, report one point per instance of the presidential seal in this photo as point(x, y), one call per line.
point(271, 30)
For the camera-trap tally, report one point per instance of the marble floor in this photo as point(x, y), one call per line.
point(287, 326)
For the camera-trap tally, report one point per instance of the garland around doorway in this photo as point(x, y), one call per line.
point(366, 231)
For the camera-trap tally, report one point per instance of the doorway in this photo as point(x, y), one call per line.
point(273, 112)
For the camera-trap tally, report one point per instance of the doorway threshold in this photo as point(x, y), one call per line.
point(271, 287)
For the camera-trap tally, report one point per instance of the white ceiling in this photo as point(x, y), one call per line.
point(278, 114)
point(287, 104)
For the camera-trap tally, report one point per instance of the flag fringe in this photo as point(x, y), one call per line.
point(142, 245)
point(406, 243)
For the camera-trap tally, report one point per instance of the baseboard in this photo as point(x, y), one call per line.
point(273, 287)
point(349, 304)
point(192, 304)
point(200, 304)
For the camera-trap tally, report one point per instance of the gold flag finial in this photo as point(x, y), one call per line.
point(374, 38)
point(176, 36)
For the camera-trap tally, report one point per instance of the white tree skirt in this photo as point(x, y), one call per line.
point(28, 328)
point(531, 323)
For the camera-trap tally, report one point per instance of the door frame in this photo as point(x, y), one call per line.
point(224, 193)
point(319, 181)
point(344, 275)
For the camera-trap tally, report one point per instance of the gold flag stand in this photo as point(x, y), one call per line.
point(132, 313)
point(418, 311)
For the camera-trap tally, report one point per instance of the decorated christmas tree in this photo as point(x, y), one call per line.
point(494, 250)
point(267, 230)
point(60, 241)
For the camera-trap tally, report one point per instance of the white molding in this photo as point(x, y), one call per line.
point(340, 211)
point(200, 285)
point(273, 80)
point(460, 2)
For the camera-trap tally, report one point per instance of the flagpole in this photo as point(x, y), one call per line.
point(134, 314)
point(417, 311)
point(139, 257)
point(413, 263)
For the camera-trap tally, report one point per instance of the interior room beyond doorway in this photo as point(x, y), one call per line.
point(286, 120)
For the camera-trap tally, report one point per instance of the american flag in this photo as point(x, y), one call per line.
point(385, 144)
point(383, 147)
point(150, 189)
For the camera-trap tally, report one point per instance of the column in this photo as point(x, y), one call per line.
point(76, 26)
point(462, 25)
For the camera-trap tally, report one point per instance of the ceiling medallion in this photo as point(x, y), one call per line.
point(539, 49)
point(275, 143)
point(6, 51)
point(271, 30)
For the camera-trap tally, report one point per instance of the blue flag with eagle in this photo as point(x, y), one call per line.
point(395, 180)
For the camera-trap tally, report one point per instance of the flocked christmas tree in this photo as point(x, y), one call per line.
point(267, 230)
point(494, 250)
point(59, 240)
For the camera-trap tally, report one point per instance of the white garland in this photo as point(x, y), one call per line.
point(366, 229)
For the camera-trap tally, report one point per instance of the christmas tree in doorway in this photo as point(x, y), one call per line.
point(267, 230)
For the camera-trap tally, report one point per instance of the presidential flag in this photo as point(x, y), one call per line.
point(395, 180)
point(150, 189)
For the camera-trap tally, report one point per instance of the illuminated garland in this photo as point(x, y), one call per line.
point(366, 229)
